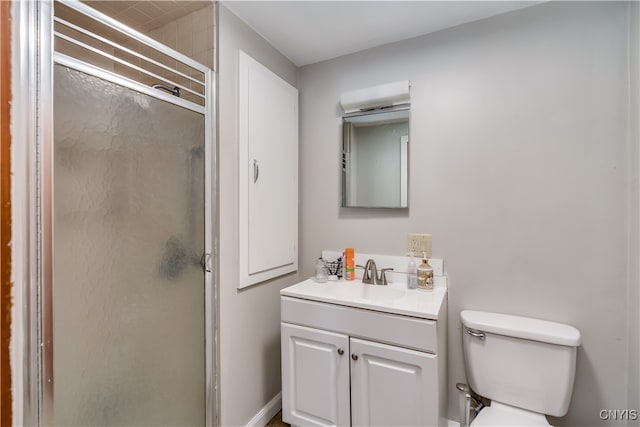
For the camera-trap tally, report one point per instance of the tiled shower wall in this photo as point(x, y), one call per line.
point(192, 35)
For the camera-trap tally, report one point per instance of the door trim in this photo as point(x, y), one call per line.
point(6, 284)
point(30, 125)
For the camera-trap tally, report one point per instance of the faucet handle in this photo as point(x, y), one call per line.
point(383, 276)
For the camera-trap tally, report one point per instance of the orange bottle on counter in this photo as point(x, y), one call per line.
point(349, 265)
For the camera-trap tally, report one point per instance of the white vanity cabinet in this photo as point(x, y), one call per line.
point(344, 365)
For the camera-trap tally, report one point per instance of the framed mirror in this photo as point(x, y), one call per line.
point(375, 159)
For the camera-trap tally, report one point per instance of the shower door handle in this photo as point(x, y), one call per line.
point(205, 261)
point(256, 170)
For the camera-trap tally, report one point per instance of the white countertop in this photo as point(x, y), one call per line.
point(394, 298)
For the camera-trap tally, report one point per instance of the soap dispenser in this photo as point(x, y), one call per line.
point(425, 274)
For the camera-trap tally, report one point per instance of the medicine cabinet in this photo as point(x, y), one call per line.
point(375, 159)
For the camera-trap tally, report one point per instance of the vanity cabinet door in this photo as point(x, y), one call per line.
point(392, 385)
point(315, 377)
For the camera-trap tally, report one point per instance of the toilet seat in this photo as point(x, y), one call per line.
point(499, 414)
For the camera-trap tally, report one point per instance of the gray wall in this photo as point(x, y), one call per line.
point(523, 121)
point(249, 319)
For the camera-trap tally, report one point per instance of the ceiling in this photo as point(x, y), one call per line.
point(311, 31)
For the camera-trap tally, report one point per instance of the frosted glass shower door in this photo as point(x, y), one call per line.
point(128, 233)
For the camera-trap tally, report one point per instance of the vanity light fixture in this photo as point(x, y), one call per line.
point(374, 97)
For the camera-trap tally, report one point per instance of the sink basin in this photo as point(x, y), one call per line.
point(393, 298)
point(369, 292)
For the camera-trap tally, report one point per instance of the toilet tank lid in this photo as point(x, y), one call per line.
point(521, 327)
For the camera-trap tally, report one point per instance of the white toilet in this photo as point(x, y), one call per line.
point(525, 366)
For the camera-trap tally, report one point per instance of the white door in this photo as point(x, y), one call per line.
point(392, 386)
point(315, 377)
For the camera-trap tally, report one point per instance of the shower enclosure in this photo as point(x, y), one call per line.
point(123, 305)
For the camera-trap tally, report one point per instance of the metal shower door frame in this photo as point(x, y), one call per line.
point(35, 101)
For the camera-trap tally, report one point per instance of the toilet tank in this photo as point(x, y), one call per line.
point(523, 362)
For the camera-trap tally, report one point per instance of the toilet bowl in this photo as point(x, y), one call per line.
point(499, 414)
point(525, 366)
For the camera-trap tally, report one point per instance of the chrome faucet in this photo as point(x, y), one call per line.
point(370, 275)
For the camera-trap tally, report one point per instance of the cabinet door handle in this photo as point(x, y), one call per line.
point(354, 356)
point(256, 170)
point(340, 351)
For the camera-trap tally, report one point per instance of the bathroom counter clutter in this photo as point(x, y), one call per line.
point(394, 298)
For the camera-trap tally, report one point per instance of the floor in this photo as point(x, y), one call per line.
point(276, 421)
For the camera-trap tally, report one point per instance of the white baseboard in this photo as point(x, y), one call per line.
point(265, 414)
